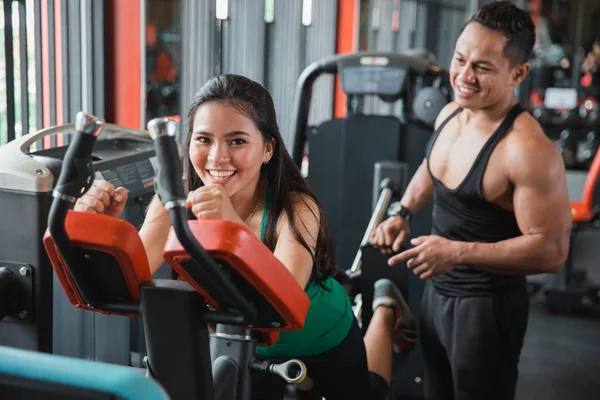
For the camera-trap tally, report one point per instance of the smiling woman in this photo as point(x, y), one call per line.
point(236, 168)
point(226, 148)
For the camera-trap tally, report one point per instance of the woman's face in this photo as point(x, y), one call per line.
point(227, 148)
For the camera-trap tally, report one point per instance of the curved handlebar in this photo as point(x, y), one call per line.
point(76, 177)
point(169, 188)
point(332, 65)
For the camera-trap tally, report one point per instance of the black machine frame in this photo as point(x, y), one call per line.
point(413, 66)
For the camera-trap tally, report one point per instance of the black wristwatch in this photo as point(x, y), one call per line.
point(398, 210)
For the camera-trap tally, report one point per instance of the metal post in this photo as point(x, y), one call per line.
point(232, 348)
point(39, 99)
point(177, 339)
point(23, 66)
point(10, 70)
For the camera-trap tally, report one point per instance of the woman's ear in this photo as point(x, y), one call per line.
point(269, 150)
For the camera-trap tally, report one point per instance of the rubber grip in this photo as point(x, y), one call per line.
point(77, 173)
point(168, 183)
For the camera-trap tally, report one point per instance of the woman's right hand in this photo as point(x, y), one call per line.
point(103, 198)
point(390, 235)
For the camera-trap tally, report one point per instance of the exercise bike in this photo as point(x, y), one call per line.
point(229, 282)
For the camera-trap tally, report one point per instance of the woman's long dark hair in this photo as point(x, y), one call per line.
point(283, 176)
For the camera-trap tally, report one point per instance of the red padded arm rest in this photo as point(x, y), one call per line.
point(237, 246)
point(583, 211)
point(110, 235)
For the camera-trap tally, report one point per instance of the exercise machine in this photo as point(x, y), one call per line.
point(340, 158)
point(341, 153)
point(41, 318)
point(228, 279)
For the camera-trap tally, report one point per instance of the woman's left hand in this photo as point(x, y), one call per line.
point(211, 202)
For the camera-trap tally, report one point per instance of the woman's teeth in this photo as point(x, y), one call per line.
point(221, 175)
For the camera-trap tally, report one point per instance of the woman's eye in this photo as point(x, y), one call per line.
point(237, 142)
point(203, 139)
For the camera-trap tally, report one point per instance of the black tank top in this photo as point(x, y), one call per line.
point(463, 214)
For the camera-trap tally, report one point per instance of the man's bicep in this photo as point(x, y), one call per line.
point(541, 199)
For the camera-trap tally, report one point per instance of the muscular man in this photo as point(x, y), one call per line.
point(501, 211)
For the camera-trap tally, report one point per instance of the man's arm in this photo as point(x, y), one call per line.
point(419, 191)
point(542, 210)
point(389, 235)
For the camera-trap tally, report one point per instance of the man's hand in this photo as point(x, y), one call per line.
point(389, 235)
point(211, 202)
point(432, 255)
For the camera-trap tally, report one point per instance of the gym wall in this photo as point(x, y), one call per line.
point(198, 36)
point(271, 46)
point(397, 26)
point(54, 55)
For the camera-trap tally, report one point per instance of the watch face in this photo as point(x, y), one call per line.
point(394, 208)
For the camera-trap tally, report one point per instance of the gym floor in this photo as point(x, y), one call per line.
point(561, 356)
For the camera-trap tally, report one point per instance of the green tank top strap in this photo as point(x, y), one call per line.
point(263, 222)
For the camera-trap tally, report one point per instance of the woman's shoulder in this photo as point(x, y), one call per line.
point(304, 205)
point(305, 211)
point(300, 199)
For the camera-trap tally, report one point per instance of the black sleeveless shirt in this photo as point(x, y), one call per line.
point(463, 214)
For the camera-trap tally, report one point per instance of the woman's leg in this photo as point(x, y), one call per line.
point(378, 342)
point(341, 373)
point(388, 328)
point(361, 367)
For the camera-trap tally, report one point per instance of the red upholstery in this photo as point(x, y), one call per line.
point(107, 234)
point(237, 246)
point(583, 211)
point(232, 243)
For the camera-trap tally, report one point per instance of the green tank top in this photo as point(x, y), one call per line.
point(327, 323)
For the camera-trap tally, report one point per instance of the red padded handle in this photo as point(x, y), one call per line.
point(110, 235)
point(237, 246)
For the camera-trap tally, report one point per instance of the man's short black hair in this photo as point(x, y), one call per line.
point(514, 23)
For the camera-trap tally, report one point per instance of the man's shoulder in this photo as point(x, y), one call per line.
point(528, 148)
point(528, 136)
point(445, 113)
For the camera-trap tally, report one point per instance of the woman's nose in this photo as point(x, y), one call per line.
point(219, 154)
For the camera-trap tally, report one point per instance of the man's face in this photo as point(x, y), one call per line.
point(479, 72)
